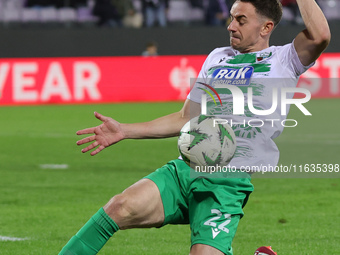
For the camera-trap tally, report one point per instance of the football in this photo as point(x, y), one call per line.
point(207, 141)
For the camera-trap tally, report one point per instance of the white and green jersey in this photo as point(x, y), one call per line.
point(261, 74)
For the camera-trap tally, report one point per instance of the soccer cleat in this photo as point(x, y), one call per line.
point(265, 250)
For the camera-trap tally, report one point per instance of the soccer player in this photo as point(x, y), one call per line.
point(212, 206)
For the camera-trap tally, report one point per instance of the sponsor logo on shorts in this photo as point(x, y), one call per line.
point(215, 232)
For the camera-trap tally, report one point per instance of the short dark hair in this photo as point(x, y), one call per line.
point(271, 9)
point(151, 44)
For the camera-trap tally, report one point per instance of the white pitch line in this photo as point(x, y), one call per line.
point(12, 239)
point(54, 166)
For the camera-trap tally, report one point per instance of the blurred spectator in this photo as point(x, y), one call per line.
point(107, 13)
point(155, 10)
point(151, 50)
point(40, 3)
point(294, 8)
point(127, 14)
point(216, 12)
point(75, 3)
point(133, 19)
point(55, 3)
point(196, 3)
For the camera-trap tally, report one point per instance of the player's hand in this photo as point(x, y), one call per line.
point(104, 135)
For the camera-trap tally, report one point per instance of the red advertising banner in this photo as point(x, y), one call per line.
point(126, 79)
point(322, 80)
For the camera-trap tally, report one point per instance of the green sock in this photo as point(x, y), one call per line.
point(92, 236)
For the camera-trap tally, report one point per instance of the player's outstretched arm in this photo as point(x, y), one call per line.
point(312, 41)
point(102, 136)
point(111, 131)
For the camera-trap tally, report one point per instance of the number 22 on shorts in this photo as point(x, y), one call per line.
point(216, 229)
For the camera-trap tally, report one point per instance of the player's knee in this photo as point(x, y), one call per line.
point(120, 207)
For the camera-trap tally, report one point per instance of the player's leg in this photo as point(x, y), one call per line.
point(215, 208)
point(140, 205)
point(202, 249)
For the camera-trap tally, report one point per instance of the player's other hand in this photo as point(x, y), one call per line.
point(104, 135)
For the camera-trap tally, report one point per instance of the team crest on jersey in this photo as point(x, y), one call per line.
point(233, 76)
point(263, 55)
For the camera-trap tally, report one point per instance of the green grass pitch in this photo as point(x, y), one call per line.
point(295, 215)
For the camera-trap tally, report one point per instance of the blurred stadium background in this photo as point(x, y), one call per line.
point(57, 67)
point(68, 12)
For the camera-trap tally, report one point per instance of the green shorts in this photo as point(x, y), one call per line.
point(212, 206)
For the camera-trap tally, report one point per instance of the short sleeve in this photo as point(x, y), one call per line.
point(290, 59)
